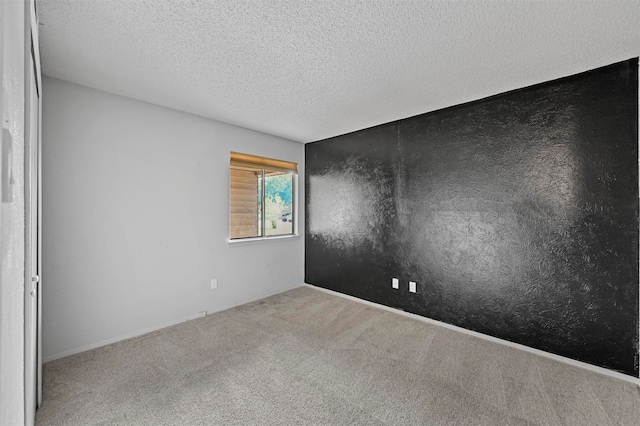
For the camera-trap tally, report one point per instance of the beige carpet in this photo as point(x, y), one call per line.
point(305, 357)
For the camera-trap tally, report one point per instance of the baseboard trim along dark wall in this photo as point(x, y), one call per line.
point(516, 216)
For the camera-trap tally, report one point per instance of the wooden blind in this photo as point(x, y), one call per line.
point(247, 161)
point(243, 202)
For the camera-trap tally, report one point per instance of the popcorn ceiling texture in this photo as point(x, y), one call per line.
point(308, 70)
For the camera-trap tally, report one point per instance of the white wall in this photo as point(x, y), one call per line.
point(12, 27)
point(135, 219)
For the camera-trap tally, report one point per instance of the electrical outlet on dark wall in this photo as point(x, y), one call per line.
point(517, 215)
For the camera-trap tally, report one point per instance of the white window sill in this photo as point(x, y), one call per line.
point(242, 241)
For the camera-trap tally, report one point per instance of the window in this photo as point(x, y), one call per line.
point(261, 196)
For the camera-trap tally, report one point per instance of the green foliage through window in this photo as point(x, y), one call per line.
point(278, 203)
point(279, 186)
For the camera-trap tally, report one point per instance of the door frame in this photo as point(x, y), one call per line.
point(32, 180)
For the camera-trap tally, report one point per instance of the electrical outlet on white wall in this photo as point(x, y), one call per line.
point(214, 284)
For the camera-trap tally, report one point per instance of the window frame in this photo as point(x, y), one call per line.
point(265, 166)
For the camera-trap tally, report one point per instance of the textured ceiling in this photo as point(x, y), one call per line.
point(310, 69)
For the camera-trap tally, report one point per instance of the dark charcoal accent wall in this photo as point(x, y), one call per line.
point(517, 215)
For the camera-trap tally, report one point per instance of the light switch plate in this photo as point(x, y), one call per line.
point(412, 286)
point(395, 283)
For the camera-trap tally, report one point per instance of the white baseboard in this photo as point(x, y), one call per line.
point(151, 329)
point(114, 340)
point(554, 357)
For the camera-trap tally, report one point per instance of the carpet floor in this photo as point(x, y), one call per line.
point(306, 357)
